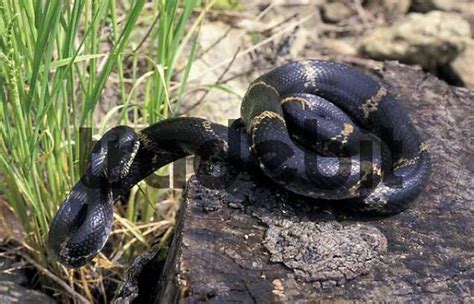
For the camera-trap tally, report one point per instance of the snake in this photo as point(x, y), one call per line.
point(320, 129)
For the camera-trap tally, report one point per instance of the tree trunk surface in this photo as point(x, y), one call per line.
point(255, 243)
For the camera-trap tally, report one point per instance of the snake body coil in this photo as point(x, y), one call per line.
point(317, 128)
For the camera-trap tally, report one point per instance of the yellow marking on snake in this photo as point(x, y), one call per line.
point(372, 104)
point(302, 101)
point(378, 198)
point(310, 73)
point(207, 125)
point(265, 115)
point(403, 162)
point(257, 120)
point(374, 168)
point(126, 165)
point(423, 147)
point(261, 83)
point(147, 143)
point(345, 133)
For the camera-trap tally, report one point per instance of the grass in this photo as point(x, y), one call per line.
point(56, 60)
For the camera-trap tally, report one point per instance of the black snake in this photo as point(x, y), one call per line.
point(317, 128)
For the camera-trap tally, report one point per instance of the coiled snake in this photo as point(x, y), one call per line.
point(317, 128)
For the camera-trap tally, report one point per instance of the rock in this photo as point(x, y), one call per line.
point(335, 12)
point(339, 46)
point(429, 40)
point(221, 46)
point(12, 285)
point(15, 293)
point(463, 7)
point(463, 66)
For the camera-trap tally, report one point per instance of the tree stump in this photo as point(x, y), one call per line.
point(256, 243)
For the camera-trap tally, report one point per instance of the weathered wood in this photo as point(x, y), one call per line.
point(256, 243)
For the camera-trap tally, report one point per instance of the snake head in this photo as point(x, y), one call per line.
point(112, 156)
point(81, 226)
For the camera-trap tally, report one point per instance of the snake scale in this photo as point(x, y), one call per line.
point(318, 128)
